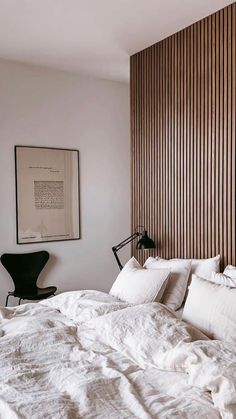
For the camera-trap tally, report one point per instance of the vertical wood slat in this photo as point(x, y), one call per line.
point(213, 135)
point(233, 128)
point(183, 135)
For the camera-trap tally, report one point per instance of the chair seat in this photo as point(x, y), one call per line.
point(40, 294)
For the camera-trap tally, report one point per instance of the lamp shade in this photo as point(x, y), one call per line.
point(145, 242)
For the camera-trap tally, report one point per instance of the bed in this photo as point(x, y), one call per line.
point(88, 354)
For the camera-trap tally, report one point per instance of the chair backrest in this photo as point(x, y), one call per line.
point(24, 269)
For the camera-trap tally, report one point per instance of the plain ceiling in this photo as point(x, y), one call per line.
point(92, 37)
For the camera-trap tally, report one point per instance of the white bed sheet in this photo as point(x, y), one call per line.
point(55, 362)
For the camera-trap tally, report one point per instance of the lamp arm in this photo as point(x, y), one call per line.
point(126, 241)
point(117, 259)
point(122, 244)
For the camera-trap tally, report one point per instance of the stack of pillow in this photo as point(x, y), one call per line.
point(211, 298)
point(160, 280)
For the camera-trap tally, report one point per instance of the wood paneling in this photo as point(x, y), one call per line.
point(183, 111)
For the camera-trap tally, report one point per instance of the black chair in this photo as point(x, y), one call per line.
point(24, 269)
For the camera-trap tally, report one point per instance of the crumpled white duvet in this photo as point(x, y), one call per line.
point(86, 354)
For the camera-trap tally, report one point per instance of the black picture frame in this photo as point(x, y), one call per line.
point(42, 194)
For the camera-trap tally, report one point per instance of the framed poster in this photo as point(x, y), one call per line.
point(47, 194)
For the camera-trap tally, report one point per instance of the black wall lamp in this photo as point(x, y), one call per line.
point(143, 243)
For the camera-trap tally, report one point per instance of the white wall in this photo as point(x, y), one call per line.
point(43, 107)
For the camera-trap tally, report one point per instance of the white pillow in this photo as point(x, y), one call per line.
point(205, 267)
point(202, 267)
point(223, 279)
point(230, 271)
point(137, 285)
point(212, 309)
point(177, 284)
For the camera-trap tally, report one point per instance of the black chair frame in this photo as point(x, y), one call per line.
point(24, 269)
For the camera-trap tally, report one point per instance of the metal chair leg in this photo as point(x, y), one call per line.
point(19, 301)
point(7, 300)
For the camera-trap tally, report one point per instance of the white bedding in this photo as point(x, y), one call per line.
point(85, 354)
point(179, 312)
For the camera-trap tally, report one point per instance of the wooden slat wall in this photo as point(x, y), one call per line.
point(183, 111)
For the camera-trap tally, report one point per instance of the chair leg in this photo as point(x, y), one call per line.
point(7, 300)
point(19, 301)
